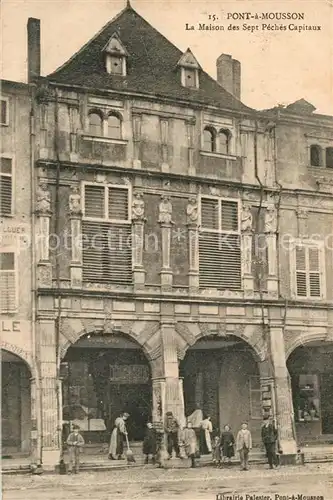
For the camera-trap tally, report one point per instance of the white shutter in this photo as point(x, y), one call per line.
point(118, 203)
point(314, 272)
point(301, 271)
point(94, 201)
point(210, 213)
point(6, 186)
point(229, 215)
point(8, 288)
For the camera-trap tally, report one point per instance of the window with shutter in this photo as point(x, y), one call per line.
point(308, 271)
point(4, 118)
point(8, 288)
point(6, 186)
point(107, 250)
point(219, 244)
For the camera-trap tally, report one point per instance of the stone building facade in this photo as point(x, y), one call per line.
point(18, 374)
point(176, 265)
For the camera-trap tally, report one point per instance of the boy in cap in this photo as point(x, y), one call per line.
point(74, 441)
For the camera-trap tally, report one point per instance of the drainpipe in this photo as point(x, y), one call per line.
point(57, 270)
point(38, 450)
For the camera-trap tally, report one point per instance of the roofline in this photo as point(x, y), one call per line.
point(93, 38)
point(14, 84)
point(150, 95)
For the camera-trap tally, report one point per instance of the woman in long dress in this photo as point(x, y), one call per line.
point(206, 428)
point(227, 444)
point(118, 434)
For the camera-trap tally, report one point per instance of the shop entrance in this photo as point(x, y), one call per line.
point(311, 373)
point(103, 376)
point(15, 405)
point(221, 377)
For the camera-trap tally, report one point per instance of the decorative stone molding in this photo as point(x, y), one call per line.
point(271, 219)
point(302, 221)
point(43, 199)
point(165, 219)
point(246, 218)
point(294, 339)
point(18, 351)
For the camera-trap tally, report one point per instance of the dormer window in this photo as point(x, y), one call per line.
point(115, 56)
point(224, 139)
point(209, 135)
point(114, 126)
point(189, 70)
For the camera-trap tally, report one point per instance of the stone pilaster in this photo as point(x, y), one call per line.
point(271, 231)
point(43, 216)
point(74, 125)
point(136, 141)
point(164, 124)
point(139, 273)
point(302, 222)
point(283, 396)
point(193, 241)
point(49, 393)
point(43, 149)
point(190, 142)
point(166, 272)
point(75, 216)
point(248, 285)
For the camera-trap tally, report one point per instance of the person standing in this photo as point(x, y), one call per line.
point(195, 419)
point(206, 428)
point(118, 434)
point(75, 442)
point(227, 444)
point(190, 443)
point(150, 443)
point(171, 429)
point(244, 445)
point(269, 438)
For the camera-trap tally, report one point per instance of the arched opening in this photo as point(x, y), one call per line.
point(114, 126)
point(315, 156)
point(95, 123)
point(209, 136)
point(311, 372)
point(15, 405)
point(221, 377)
point(103, 376)
point(224, 142)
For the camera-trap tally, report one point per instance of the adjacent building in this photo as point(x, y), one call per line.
point(182, 253)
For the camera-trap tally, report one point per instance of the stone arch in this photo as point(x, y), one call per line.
point(18, 351)
point(292, 341)
point(145, 333)
point(190, 333)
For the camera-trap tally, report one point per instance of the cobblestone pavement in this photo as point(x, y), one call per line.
point(312, 480)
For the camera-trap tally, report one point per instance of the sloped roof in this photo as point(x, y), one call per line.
point(151, 65)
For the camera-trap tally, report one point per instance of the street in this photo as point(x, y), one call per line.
point(313, 481)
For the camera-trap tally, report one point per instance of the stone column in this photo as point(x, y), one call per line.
point(138, 220)
point(75, 216)
point(193, 242)
point(43, 149)
point(283, 396)
point(270, 231)
point(246, 247)
point(165, 214)
point(43, 213)
point(49, 393)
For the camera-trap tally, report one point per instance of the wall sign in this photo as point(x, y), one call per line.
point(129, 374)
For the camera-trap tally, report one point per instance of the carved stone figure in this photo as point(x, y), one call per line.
point(138, 207)
point(192, 210)
point(246, 223)
point(75, 201)
point(270, 219)
point(43, 200)
point(165, 210)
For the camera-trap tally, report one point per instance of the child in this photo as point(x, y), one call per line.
point(74, 441)
point(216, 453)
point(149, 443)
point(244, 445)
point(227, 444)
point(190, 443)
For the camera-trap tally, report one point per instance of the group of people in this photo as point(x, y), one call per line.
point(192, 441)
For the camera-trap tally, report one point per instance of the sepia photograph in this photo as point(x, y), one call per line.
point(166, 249)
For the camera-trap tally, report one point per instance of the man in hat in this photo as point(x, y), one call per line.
point(74, 442)
point(118, 434)
point(171, 428)
point(269, 437)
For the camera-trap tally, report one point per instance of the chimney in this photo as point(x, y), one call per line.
point(229, 74)
point(33, 49)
